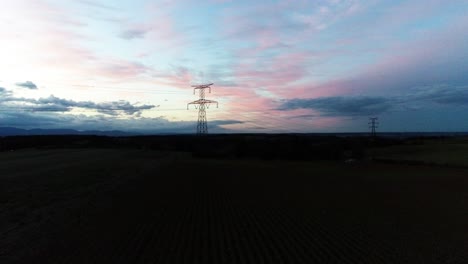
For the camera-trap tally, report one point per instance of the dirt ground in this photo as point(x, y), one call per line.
point(135, 206)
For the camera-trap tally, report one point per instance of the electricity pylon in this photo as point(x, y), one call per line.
point(373, 124)
point(202, 125)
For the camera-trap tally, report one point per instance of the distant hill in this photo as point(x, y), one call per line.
point(13, 131)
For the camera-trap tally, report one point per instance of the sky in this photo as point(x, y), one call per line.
point(284, 66)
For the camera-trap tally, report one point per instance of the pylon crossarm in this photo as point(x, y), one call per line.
point(200, 101)
point(205, 101)
point(193, 103)
point(203, 85)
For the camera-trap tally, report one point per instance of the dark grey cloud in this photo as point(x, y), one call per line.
point(51, 120)
point(27, 84)
point(56, 104)
point(305, 116)
point(110, 108)
point(45, 113)
point(444, 94)
point(20, 119)
point(48, 108)
point(340, 106)
point(226, 122)
point(257, 128)
point(4, 92)
point(133, 33)
point(418, 102)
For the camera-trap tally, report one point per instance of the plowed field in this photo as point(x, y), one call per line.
point(135, 206)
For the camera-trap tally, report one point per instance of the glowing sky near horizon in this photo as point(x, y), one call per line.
point(278, 66)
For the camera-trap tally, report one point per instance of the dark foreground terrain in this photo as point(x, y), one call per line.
point(143, 206)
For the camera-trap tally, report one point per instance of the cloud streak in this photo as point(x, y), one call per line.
point(444, 94)
point(133, 33)
point(27, 84)
point(97, 4)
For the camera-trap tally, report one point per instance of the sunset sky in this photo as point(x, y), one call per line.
point(277, 66)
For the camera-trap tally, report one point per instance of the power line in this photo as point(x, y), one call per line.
point(132, 89)
point(249, 119)
point(264, 114)
point(127, 89)
point(269, 124)
point(255, 122)
point(268, 115)
point(73, 108)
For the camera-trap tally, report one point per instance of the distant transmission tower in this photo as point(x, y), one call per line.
point(202, 126)
point(373, 124)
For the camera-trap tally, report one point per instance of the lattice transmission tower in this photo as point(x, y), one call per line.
point(373, 125)
point(202, 104)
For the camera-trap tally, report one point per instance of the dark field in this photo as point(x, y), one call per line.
point(442, 151)
point(143, 206)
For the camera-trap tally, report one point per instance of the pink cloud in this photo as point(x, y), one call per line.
point(275, 75)
point(48, 36)
point(433, 59)
point(272, 59)
point(122, 69)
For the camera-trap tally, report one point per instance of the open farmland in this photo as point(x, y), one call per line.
point(136, 206)
point(448, 151)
